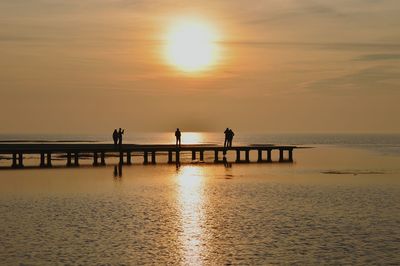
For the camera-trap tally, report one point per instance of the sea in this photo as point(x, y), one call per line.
point(338, 203)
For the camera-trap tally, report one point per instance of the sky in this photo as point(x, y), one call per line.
point(72, 66)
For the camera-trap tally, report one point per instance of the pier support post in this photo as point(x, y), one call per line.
point(170, 157)
point(20, 160)
point(14, 160)
point(69, 159)
point(145, 157)
point(128, 158)
point(202, 155)
point(193, 155)
point(121, 157)
point(49, 159)
point(177, 157)
point(290, 155)
point(259, 160)
point(247, 156)
point(269, 157)
point(76, 159)
point(153, 157)
point(42, 163)
point(102, 158)
point(237, 156)
point(95, 159)
point(281, 155)
point(215, 156)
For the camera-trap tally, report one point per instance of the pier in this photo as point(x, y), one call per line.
point(71, 153)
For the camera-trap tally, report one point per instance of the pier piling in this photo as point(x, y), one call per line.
point(14, 160)
point(102, 158)
point(49, 159)
point(170, 157)
point(216, 156)
point(247, 154)
point(95, 159)
point(128, 158)
point(20, 160)
point(76, 159)
point(269, 157)
point(121, 157)
point(69, 159)
point(42, 163)
point(237, 156)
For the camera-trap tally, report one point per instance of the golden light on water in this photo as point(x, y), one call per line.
point(192, 138)
point(190, 196)
point(191, 46)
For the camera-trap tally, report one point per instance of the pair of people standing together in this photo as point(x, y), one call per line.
point(117, 136)
point(228, 137)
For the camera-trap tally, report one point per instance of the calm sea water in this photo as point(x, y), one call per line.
point(338, 203)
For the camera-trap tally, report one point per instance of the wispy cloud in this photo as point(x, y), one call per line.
point(17, 38)
point(378, 79)
point(306, 9)
point(357, 46)
point(378, 57)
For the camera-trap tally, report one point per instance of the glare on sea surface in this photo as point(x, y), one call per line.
point(190, 181)
point(191, 46)
point(192, 138)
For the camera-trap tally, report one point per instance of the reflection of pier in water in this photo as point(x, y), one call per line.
point(99, 152)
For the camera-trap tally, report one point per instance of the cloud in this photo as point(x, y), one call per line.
point(378, 57)
point(378, 79)
point(356, 46)
point(16, 38)
point(306, 9)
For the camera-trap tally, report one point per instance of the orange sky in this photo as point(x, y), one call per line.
point(284, 66)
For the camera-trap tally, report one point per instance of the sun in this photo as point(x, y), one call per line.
point(191, 46)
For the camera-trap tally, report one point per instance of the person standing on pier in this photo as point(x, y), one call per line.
point(115, 137)
point(120, 133)
point(178, 137)
point(230, 137)
point(226, 142)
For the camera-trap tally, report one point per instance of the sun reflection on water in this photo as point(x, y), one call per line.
point(190, 196)
point(192, 138)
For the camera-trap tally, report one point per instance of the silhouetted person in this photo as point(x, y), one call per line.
point(226, 132)
point(120, 133)
point(230, 137)
point(115, 136)
point(178, 137)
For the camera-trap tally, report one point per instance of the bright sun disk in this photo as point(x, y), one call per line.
point(191, 46)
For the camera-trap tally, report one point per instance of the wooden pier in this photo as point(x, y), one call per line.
point(99, 152)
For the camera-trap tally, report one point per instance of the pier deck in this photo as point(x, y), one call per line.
point(72, 152)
